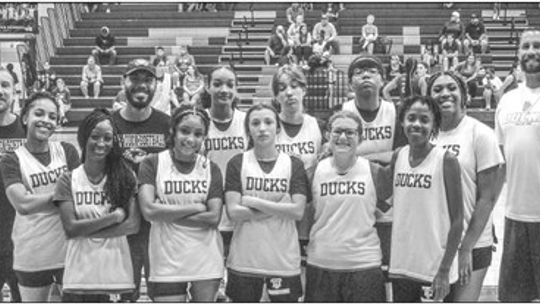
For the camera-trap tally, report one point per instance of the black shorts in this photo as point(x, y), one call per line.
point(226, 236)
point(248, 288)
point(40, 278)
point(384, 231)
point(323, 285)
point(163, 289)
point(7, 275)
point(481, 257)
point(519, 278)
point(410, 291)
point(85, 298)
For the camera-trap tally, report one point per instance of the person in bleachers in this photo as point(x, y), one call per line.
point(468, 69)
point(63, 97)
point(277, 43)
point(302, 46)
point(91, 76)
point(293, 11)
point(105, 46)
point(294, 28)
point(370, 33)
point(515, 76)
point(454, 28)
point(193, 85)
point(159, 60)
point(9, 68)
point(394, 69)
point(492, 84)
point(450, 52)
point(413, 81)
point(475, 36)
point(46, 78)
point(330, 34)
point(182, 62)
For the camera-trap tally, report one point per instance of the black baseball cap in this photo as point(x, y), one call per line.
point(365, 61)
point(140, 65)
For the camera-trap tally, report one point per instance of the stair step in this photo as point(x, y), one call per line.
point(93, 32)
point(119, 41)
point(85, 50)
point(151, 13)
point(122, 59)
point(246, 49)
point(252, 30)
point(152, 23)
point(85, 103)
point(109, 91)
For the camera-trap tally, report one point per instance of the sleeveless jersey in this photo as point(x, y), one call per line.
point(475, 146)
point(378, 136)
point(39, 239)
point(343, 235)
point(306, 144)
point(421, 218)
point(179, 253)
point(268, 246)
point(221, 146)
point(95, 263)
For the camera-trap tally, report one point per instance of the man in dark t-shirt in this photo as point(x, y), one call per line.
point(105, 46)
point(12, 136)
point(475, 36)
point(143, 130)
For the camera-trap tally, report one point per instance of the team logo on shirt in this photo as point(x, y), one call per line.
point(224, 143)
point(143, 141)
point(297, 148)
point(10, 144)
point(377, 133)
point(46, 178)
point(90, 198)
point(266, 184)
point(185, 187)
point(343, 187)
point(454, 148)
point(413, 180)
point(522, 118)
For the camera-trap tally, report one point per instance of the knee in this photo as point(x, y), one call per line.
point(84, 84)
point(97, 84)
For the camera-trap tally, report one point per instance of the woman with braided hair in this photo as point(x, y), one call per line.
point(181, 194)
point(98, 209)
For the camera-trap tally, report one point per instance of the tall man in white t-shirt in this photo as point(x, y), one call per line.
point(517, 126)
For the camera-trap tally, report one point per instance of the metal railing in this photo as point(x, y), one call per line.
point(326, 89)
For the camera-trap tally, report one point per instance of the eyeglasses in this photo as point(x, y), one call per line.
point(349, 133)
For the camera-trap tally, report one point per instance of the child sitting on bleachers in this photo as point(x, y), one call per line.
point(63, 97)
point(193, 86)
point(450, 52)
point(491, 83)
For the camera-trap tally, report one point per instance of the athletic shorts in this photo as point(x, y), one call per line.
point(85, 298)
point(163, 289)
point(248, 288)
point(324, 285)
point(40, 278)
point(481, 257)
point(411, 291)
point(519, 278)
point(227, 237)
point(384, 231)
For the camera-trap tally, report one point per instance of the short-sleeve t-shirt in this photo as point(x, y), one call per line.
point(12, 136)
point(517, 127)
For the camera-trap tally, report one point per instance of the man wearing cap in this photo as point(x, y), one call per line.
point(330, 34)
point(381, 130)
point(453, 27)
point(143, 130)
point(475, 35)
point(105, 46)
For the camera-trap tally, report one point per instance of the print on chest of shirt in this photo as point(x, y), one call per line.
point(260, 184)
point(305, 145)
point(38, 176)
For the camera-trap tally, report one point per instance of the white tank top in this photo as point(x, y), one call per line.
point(421, 218)
point(221, 146)
point(306, 144)
point(475, 146)
point(95, 263)
point(269, 246)
point(39, 239)
point(343, 235)
point(179, 253)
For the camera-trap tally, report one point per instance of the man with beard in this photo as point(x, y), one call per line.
point(517, 126)
point(12, 136)
point(381, 130)
point(143, 130)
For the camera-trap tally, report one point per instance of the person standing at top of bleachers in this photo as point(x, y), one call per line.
point(91, 75)
point(475, 36)
point(330, 34)
point(105, 46)
point(455, 28)
point(293, 11)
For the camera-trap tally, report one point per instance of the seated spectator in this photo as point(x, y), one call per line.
point(46, 78)
point(293, 11)
point(450, 52)
point(408, 83)
point(370, 33)
point(515, 76)
point(183, 61)
point(302, 46)
point(320, 57)
point(475, 36)
point(394, 69)
point(159, 60)
point(105, 46)
point(277, 44)
point(63, 97)
point(193, 85)
point(454, 28)
point(294, 28)
point(492, 84)
point(468, 69)
point(330, 34)
point(333, 9)
point(428, 54)
point(91, 76)
point(420, 78)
